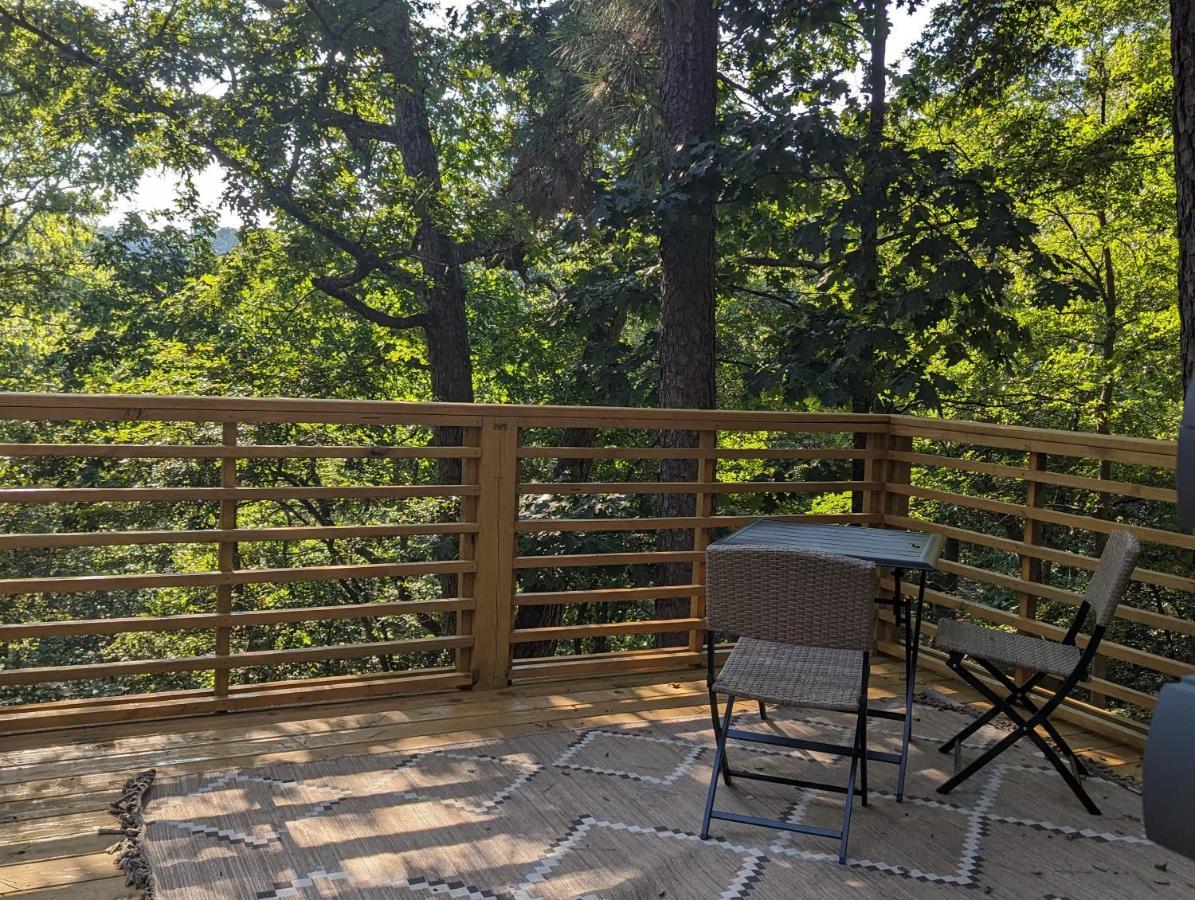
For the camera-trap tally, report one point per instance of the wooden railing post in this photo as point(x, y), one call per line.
point(889, 471)
point(227, 556)
point(467, 581)
point(875, 468)
point(1031, 565)
point(707, 473)
point(494, 581)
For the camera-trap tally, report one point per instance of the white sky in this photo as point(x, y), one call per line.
point(158, 190)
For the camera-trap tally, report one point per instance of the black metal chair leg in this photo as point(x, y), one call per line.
point(718, 737)
point(862, 727)
point(850, 797)
point(720, 730)
point(1019, 693)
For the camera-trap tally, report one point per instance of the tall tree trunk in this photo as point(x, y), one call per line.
point(873, 190)
point(449, 362)
point(1182, 55)
point(1108, 388)
point(689, 30)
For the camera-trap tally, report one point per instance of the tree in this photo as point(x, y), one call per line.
point(320, 118)
point(689, 39)
point(1182, 54)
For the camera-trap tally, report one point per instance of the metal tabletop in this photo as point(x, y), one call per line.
point(884, 546)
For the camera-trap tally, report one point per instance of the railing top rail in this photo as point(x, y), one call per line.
point(1075, 443)
point(134, 407)
point(14, 405)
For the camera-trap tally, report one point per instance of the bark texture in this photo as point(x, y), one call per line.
point(1182, 54)
point(447, 334)
point(873, 191)
point(689, 31)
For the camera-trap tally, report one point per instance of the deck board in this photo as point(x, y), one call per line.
point(55, 787)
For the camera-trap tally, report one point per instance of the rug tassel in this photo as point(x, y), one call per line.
point(129, 851)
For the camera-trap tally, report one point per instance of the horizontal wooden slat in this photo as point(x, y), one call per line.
point(48, 674)
point(565, 561)
point(608, 664)
point(1135, 451)
point(215, 535)
point(242, 451)
point(180, 495)
point(782, 453)
point(580, 632)
point(1069, 520)
point(1096, 485)
point(194, 621)
point(78, 583)
point(693, 487)
point(1062, 557)
point(136, 407)
point(253, 687)
point(242, 698)
point(535, 526)
point(608, 595)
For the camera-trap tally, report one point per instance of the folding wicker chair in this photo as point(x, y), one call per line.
point(805, 624)
point(991, 648)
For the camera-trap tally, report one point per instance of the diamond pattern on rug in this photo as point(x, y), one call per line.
point(477, 783)
point(641, 862)
point(614, 812)
point(639, 757)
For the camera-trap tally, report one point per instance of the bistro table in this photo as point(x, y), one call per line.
point(901, 551)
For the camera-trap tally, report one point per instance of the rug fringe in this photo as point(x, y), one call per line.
point(129, 809)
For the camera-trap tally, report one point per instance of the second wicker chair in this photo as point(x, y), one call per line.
point(805, 627)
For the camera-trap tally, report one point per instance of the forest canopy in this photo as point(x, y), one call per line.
point(757, 204)
point(469, 202)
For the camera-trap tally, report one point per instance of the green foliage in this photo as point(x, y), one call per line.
point(1002, 247)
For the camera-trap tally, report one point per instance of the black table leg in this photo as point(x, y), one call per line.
point(913, 615)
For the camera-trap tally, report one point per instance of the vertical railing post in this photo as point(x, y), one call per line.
point(494, 581)
point(890, 503)
point(227, 556)
point(467, 581)
point(1031, 569)
point(875, 468)
point(707, 473)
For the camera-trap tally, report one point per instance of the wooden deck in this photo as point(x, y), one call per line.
point(56, 786)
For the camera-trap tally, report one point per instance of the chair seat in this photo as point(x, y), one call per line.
point(1005, 647)
point(791, 675)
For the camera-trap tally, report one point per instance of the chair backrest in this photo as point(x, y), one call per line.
point(791, 597)
point(1112, 575)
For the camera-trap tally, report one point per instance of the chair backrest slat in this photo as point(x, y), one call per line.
point(791, 597)
point(1112, 575)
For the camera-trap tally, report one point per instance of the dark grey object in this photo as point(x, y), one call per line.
point(1168, 775)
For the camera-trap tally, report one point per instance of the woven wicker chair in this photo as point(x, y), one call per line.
point(992, 649)
point(805, 625)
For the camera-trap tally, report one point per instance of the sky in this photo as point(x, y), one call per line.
point(157, 190)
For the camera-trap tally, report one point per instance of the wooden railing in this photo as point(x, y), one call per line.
point(158, 550)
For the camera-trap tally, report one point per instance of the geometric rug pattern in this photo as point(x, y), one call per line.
point(614, 813)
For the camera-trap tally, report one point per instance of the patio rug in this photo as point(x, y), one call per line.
point(613, 812)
